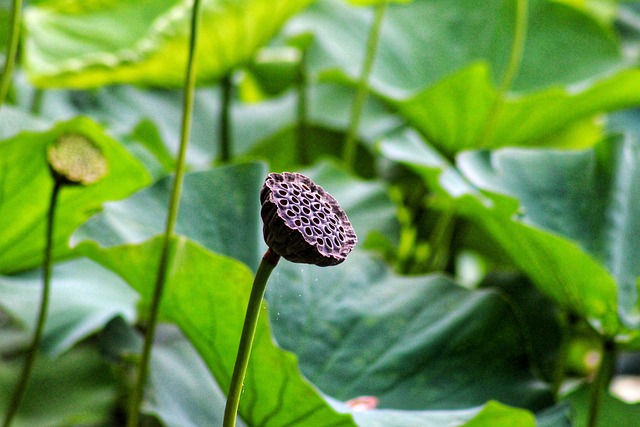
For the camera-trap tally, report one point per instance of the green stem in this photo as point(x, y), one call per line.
point(515, 59)
point(225, 118)
point(36, 102)
point(302, 84)
point(268, 263)
point(42, 314)
point(12, 48)
point(601, 382)
point(351, 141)
point(174, 203)
point(440, 239)
point(563, 352)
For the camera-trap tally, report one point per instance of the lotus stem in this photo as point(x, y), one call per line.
point(268, 263)
point(12, 48)
point(174, 203)
point(351, 141)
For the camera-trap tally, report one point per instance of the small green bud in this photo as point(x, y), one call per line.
point(76, 160)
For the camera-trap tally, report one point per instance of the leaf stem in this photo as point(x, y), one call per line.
point(440, 239)
point(36, 102)
point(174, 203)
point(351, 140)
point(268, 263)
point(225, 117)
point(302, 86)
point(42, 314)
point(569, 325)
point(515, 59)
point(600, 383)
point(12, 48)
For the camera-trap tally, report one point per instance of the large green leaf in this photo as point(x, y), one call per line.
point(206, 296)
point(415, 343)
point(25, 189)
point(455, 113)
point(573, 231)
point(427, 40)
point(586, 196)
point(89, 44)
point(180, 390)
point(492, 414)
point(440, 62)
point(84, 297)
point(219, 209)
point(75, 389)
point(263, 130)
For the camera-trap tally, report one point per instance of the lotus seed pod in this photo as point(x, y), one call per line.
point(303, 223)
point(76, 160)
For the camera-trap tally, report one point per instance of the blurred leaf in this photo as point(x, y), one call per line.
point(275, 69)
point(148, 136)
point(497, 415)
point(375, 2)
point(84, 297)
point(219, 209)
point(75, 389)
point(613, 412)
point(25, 190)
point(561, 267)
point(206, 296)
point(453, 114)
point(79, 44)
point(182, 392)
point(13, 121)
point(413, 342)
point(538, 316)
point(587, 197)
point(422, 42)
point(492, 414)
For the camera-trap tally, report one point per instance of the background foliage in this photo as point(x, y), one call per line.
point(493, 192)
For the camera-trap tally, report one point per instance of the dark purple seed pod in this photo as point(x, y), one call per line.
point(302, 222)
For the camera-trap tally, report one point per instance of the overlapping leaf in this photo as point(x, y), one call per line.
point(206, 296)
point(563, 46)
point(77, 388)
point(443, 74)
point(144, 41)
point(573, 231)
point(219, 209)
point(78, 307)
point(458, 113)
point(415, 343)
point(25, 188)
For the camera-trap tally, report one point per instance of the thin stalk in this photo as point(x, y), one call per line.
point(351, 141)
point(563, 353)
point(225, 118)
point(601, 382)
point(268, 263)
point(174, 204)
point(515, 59)
point(12, 48)
point(302, 87)
point(42, 314)
point(36, 102)
point(440, 239)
